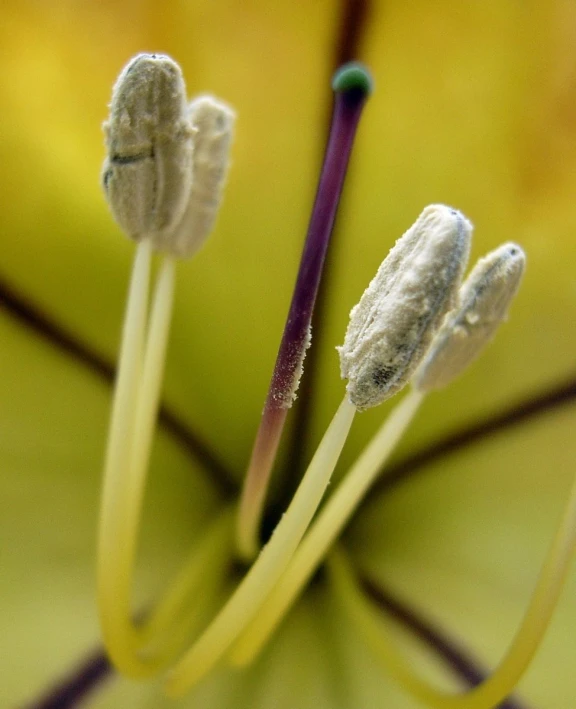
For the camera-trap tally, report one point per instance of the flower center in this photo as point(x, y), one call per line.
point(414, 324)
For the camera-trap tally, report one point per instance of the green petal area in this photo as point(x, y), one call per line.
point(52, 430)
point(464, 543)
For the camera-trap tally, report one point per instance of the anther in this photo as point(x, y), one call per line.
point(212, 122)
point(167, 162)
point(483, 305)
point(147, 174)
point(393, 324)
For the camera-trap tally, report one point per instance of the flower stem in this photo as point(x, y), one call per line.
point(330, 522)
point(352, 86)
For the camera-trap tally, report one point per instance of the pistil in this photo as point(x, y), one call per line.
point(352, 86)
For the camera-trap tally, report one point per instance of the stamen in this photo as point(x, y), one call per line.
point(142, 651)
point(524, 646)
point(155, 197)
point(352, 85)
point(406, 300)
point(388, 311)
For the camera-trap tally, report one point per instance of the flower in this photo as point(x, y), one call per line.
point(473, 107)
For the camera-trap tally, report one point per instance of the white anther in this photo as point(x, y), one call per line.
point(392, 326)
point(213, 123)
point(484, 300)
point(147, 174)
point(167, 162)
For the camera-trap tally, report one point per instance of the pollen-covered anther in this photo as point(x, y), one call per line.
point(392, 326)
point(212, 121)
point(167, 161)
point(483, 305)
point(147, 174)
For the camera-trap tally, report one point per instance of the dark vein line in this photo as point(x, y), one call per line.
point(418, 463)
point(354, 17)
point(72, 690)
point(459, 660)
point(43, 325)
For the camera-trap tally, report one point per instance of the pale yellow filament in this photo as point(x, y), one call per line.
point(141, 651)
point(113, 573)
point(523, 647)
point(325, 529)
point(270, 564)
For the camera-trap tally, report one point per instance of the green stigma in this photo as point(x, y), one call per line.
point(353, 76)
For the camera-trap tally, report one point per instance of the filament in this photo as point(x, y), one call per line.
point(113, 571)
point(522, 649)
point(272, 561)
point(325, 529)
